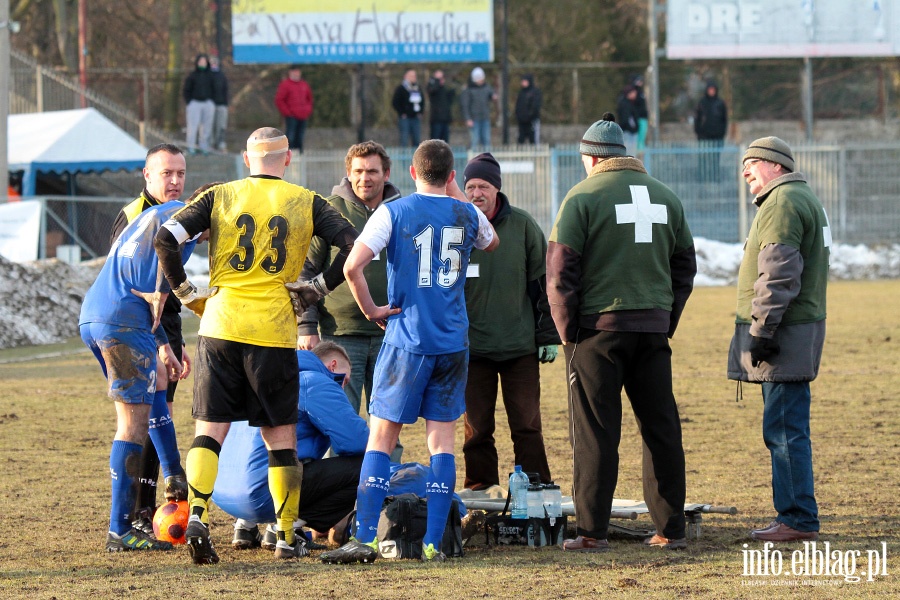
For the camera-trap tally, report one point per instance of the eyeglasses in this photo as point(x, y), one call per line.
point(751, 161)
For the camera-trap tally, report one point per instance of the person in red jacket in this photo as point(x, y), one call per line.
point(294, 101)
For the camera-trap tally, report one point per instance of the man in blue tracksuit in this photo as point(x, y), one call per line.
point(325, 419)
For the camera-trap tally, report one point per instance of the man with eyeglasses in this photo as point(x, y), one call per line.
point(780, 326)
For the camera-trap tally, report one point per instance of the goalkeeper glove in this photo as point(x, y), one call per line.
point(306, 293)
point(193, 297)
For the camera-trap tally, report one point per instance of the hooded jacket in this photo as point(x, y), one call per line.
point(199, 85)
point(475, 101)
point(339, 314)
point(528, 104)
point(711, 117)
point(325, 418)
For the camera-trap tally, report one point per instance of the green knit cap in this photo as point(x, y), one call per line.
point(604, 138)
point(772, 149)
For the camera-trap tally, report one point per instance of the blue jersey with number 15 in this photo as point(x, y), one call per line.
point(131, 264)
point(427, 256)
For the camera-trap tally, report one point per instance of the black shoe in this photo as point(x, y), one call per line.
point(298, 550)
point(353, 551)
point(312, 545)
point(198, 543)
point(135, 539)
point(245, 539)
point(176, 487)
point(430, 554)
point(143, 521)
point(270, 539)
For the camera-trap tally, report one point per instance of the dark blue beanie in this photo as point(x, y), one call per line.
point(484, 166)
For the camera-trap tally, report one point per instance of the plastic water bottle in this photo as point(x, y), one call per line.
point(535, 501)
point(553, 500)
point(518, 488)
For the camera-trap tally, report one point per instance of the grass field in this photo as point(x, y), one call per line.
point(56, 426)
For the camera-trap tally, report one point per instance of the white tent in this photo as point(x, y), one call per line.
point(73, 141)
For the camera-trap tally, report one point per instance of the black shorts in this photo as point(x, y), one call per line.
point(171, 324)
point(234, 381)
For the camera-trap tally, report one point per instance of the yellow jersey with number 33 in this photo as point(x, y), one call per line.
point(260, 229)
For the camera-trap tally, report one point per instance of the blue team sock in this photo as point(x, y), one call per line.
point(439, 493)
point(121, 456)
point(374, 480)
point(162, 432)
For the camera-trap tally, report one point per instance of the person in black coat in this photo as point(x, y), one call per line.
point(710, 125)
point(528, 111)
point(200, 110)
point(441, 97)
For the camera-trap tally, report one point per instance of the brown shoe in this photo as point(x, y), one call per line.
point(779, 532)
point(658, 541)
point(585, 544)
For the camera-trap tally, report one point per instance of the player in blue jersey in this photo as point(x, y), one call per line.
point(421, 369)
point(119, 322)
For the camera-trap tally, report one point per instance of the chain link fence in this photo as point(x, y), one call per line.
point(858, 185)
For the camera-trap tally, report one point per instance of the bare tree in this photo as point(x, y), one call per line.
point(172, 90)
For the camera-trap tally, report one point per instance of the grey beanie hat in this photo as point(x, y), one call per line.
point(772, 149)
point(604, 138)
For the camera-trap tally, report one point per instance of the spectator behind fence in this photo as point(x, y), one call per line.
point(641, 102)
point(200, 109)
point(475, 103)
point(510, 332)
point(780, 327)
point(220, 98)
point(528, 111)
point(409, 103)
point(620, 268)
point(294, 100)
point(441, 96)
point(627, 117)
point(710, 125)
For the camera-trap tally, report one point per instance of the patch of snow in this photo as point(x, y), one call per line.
point(40, 301)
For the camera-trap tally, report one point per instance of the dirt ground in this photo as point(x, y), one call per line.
point(56, 427)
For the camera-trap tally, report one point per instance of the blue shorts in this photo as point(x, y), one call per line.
point(408, 386)
point(128, 359)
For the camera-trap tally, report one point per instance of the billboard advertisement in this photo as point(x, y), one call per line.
point(713, 29)
point(362, 31)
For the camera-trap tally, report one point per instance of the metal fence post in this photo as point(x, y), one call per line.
point(842, 193)
point(39, 88)
point(743, 226)
point(554, 186)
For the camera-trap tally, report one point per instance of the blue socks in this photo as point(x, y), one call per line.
point(162, 432)
point(439, 493)
point(124, 464)
point(374, 480)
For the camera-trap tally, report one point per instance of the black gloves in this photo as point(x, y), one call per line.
point(762, 349)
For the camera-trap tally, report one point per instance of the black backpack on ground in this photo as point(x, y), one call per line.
point(402, 524)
